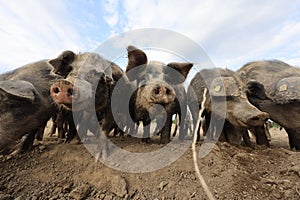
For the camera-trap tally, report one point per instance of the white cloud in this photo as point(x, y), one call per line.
point(111, 15)
point(232, 32)
point(34, 30)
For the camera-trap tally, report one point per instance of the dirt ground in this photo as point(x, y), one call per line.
point(54, 170)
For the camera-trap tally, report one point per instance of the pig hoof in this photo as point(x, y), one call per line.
point(147, 140)
point(75, 142)
point(164, 140)
point(188, 137)
point(181, 137)
point(15, 152)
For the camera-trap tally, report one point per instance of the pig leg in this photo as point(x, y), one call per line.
point(159, 125)
point(54, 126)
point(132, 129)
point(267, 127)
point(182, 117)
point(53, 129)
point(28, 142)
point(232, 135)
point(25, 144)
point(294, 138)
point(210, 128)
point(193, 109)
point(40, 133)
point(102, 146)
point(65, 127)
point(146, 133)
point(60, 125)
point(177, 122)
point(222, 137)
point(182, 127)
point(72, 133)
point(84, 125)
point(261, 138)
point(166, 131)
point(246, 138)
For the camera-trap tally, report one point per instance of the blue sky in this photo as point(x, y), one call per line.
point(231, 32)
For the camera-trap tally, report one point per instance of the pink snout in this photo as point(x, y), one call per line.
point(62, 92)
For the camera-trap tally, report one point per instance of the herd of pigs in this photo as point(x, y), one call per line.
point(63, 87)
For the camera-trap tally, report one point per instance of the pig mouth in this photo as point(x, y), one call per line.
point(67, 106)
point(69, 98)
point(157, 109)
point(76, 107)
point(153, 103)
point(242, 124)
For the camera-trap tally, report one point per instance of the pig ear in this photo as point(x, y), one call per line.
point(17, 90)
point(256, 90)
point(178, 73)
point(61, 64)
point(136, 58)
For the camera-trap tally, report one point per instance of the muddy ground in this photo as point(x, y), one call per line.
point(54, 170)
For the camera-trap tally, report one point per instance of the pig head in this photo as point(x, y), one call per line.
point(91, 75)
point(86, 87)
point(226, 99)
point(277, 94)
point(159, 90)
point(25, 101)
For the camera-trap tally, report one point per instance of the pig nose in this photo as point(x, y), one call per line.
point(163, 94)
point(63, 92)
point(258, 120)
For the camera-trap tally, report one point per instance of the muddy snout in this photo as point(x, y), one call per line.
point(162, 94)
point(258, 119)
point(62, 92)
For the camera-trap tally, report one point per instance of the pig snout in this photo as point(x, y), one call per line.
point(162, 94)
point(246, 114)
point(257, 120)
point(252, 117)
point(62, 92)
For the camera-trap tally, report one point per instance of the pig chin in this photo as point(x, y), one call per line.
point(74, 104)
point(241, 124)
point(157, 109)
point(238, 123)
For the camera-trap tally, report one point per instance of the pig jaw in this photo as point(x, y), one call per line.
point(245, 115)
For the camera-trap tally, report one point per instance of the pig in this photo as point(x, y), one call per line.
point(117, 74)
point(25, 103)
point(159, 94)
point(227, 108)
point(277, 94)
point(58, 124)
point(87, 88)
point(64, 123)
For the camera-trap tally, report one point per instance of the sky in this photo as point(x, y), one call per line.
point(232, 33)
